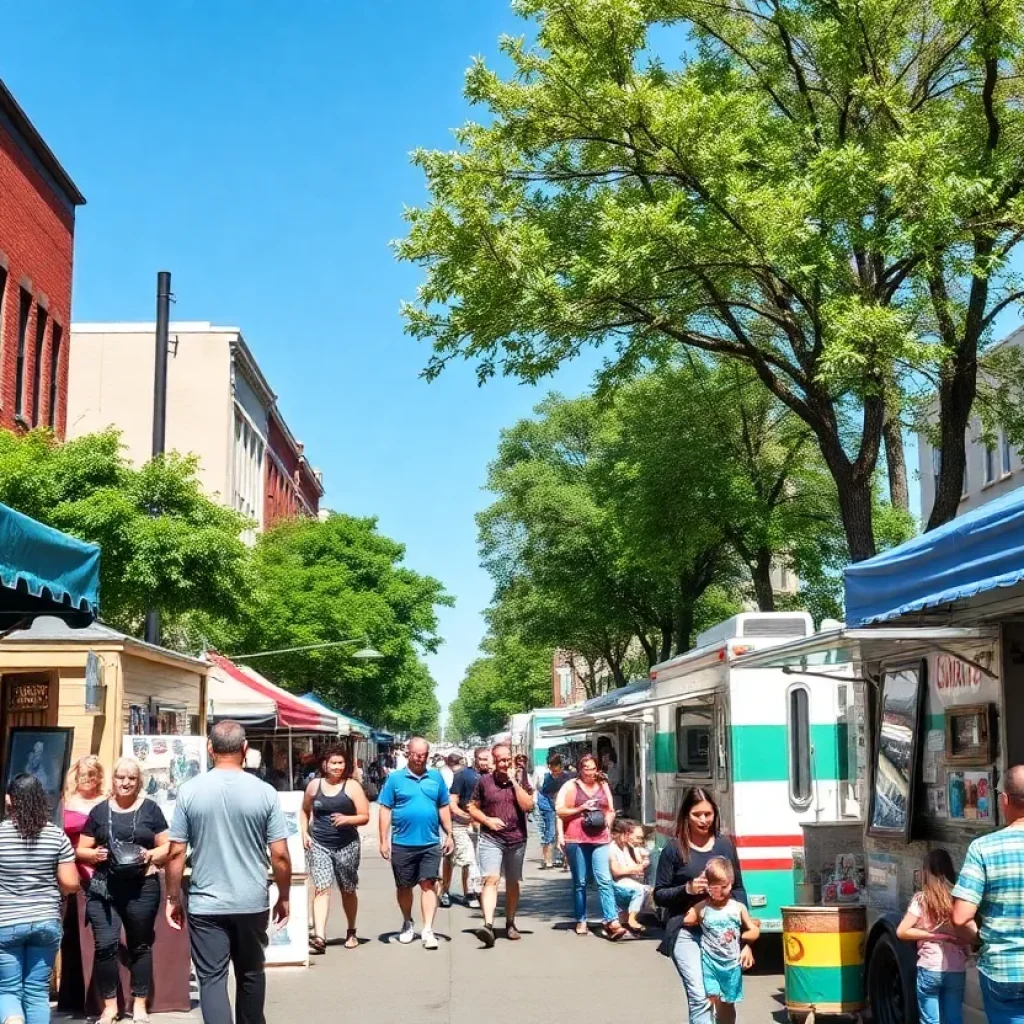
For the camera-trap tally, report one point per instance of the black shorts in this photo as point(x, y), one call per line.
point(414, 864)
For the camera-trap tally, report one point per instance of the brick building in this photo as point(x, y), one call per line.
point(292, 487)
point(37, 233)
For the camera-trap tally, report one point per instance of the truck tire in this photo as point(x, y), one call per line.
point(890, 993)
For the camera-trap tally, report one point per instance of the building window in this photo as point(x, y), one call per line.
point(990, 465)
point(799, 728)
point(1005, 454)
point(564, 684)
point(37, 366)
point(24, 311)
point(56, 337)
point(693, 741)
point(936, 468)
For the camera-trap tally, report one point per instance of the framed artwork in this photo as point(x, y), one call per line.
point(168, 762)
point(899, 714)
point(969, 734)
point(291, 804)
point(289, 945)
point(970, 795)
point(45, 752)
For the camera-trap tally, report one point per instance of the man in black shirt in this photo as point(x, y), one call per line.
point(464, 832)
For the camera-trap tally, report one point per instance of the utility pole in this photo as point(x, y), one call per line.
point(163, 317)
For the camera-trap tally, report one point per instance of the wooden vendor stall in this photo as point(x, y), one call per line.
point(116, 693)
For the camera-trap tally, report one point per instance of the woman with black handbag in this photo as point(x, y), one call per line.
point(126, 839)
point(586, 813)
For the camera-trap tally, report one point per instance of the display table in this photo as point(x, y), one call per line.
point(171, 966)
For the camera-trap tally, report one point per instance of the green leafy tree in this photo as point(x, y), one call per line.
point(165, 545)
point(510, 678)
point(830, 194)
point(322, 581)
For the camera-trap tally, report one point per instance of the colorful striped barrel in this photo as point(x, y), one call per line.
point(824, 954)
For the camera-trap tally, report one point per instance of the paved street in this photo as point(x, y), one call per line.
point(551, 975)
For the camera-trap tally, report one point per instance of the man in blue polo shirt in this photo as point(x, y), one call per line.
point(413, 810)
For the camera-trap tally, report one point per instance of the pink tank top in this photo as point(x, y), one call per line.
point(574, 826)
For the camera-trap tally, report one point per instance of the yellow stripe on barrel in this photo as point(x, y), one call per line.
point(823, 949)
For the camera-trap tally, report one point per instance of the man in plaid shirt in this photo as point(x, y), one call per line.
point(991, 888)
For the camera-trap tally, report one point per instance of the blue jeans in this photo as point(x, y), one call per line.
point(686, 956)
point(630, 896)
point(27, 955)
point(940, 996)
point(590, 860)
point(1004, 1000)
point(547, 823)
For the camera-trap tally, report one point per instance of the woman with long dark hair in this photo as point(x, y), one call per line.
point(37, 864)
point(681, 883)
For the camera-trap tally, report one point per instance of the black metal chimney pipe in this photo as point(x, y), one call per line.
point(163, 316)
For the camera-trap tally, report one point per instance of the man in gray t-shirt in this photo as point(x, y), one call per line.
point(230, 819)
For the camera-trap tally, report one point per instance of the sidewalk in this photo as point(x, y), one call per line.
point(551, 975)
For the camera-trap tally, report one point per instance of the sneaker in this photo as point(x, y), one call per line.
point(486, 936)
point(445, 900)
point(473, 902)
point(429, 939)
point(407, 934)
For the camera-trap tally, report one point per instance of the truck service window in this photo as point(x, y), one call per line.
point(693, 741)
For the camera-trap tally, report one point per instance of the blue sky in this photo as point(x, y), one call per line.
point(259, 151)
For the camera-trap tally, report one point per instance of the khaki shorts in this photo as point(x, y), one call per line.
point(464, 853)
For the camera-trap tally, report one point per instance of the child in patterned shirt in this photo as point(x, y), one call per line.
point(723, 923)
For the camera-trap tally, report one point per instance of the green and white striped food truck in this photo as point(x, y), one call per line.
point(777, 749)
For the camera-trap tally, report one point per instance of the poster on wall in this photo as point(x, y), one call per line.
point(969, 795)
point(44, 752)
point(168, 762)
point(953, 681)
point(291, 805)
point(289, 944)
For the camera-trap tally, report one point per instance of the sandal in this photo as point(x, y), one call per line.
point(351, 941)
point(582, 929)
point(614, 932)
point(317, 946)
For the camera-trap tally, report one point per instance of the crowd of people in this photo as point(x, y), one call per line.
point(432, 821)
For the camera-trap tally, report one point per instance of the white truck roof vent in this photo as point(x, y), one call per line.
point(775, 625)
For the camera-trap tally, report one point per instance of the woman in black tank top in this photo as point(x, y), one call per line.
point(333, 808)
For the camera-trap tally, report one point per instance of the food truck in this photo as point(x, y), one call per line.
point(776, 749)
point(935, 637)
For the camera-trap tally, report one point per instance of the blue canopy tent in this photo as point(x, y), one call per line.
point(45, 572)
point(356, 725)
point(977, 553)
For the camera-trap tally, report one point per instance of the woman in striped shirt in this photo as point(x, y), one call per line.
point(37, 864)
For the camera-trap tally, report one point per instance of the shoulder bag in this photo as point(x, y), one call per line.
point(127, 858)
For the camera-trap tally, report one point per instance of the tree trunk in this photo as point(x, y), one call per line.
point(896, 460)
point(683, 627)
point(853, 489)
point(761, 573)
point(956, 397)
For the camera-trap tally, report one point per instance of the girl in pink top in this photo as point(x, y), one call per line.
point(941, 953)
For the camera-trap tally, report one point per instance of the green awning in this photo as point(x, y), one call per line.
point(45, 572)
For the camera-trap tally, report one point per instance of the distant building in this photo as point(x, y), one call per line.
point(990, 471)
point(574, 679)
point(220, 408)
point(37, 238)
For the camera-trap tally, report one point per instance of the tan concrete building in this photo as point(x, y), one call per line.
point(220, 408)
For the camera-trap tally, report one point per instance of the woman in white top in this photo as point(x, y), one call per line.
point(37, 865)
